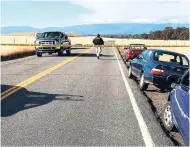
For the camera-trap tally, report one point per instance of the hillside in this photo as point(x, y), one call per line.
point(91, 29)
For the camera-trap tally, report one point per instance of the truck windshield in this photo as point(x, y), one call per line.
point(51, 35)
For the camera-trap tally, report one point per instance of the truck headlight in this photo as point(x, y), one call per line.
point(37, 42)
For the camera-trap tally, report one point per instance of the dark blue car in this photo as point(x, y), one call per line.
point(176, 111)
point(154, 66)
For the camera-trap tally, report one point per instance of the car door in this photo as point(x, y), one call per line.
point(134, 65)
point(140, 64)
point(180, 104)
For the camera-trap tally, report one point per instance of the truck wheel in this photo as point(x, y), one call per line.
point(68, 52)
point(143, 85)
point(60, 52)
point(39, 54)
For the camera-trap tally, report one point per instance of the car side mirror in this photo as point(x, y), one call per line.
point(139, 57)
point(173, 80)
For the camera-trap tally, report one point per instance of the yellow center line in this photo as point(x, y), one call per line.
point(36, 77)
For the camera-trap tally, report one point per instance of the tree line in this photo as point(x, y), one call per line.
point(167, 34)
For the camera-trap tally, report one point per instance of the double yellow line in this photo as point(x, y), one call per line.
point(34, 78)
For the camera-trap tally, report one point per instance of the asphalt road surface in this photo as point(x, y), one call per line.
point(75, 101)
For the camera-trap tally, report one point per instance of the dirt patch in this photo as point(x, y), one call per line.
point(157, 100)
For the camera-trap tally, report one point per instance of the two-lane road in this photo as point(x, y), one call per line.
point(75, 101)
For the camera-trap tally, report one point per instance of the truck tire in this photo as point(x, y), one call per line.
point(60, 52)
point(68, 52)
point(39, 54)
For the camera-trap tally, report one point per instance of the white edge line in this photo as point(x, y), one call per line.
point(143, 127)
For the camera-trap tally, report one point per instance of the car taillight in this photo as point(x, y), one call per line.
point(158, 72)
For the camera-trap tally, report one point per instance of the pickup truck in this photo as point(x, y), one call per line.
point(133, 51)
point(52, 38)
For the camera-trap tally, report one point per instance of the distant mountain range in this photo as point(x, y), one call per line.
point(92, 29)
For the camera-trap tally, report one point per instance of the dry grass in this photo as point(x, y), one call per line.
point(11, 50)
point(20, 34)
point(29, 38)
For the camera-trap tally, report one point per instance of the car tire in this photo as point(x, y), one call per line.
point(50, 53)
point(125, 58)
point(39, 54)
point(166, 117)
point(142, 84)
point(130, 75)
point(68, 52)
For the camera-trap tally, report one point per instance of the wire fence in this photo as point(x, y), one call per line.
point(30, 41)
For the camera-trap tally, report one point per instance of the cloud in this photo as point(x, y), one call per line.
point(140, 11)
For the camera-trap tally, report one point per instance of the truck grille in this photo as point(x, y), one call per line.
point(47, 42)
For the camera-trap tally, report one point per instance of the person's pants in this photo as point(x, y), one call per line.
point(98, 51)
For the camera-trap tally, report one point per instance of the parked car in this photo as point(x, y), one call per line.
point(53, 38)
point(133, 51)
point(154, 66)
point(176, 111)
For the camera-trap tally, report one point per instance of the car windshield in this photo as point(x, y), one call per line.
point(170, 58)
point(51, 35)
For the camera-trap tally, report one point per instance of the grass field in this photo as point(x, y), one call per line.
point(29, 38)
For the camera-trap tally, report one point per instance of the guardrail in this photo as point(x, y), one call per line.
point(85, 46)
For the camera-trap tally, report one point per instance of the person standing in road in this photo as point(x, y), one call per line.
point(98, 42)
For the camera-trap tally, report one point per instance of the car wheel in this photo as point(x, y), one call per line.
point(39, 54)
point(50, 53)
point(167, 118)
point(130, 75)
point(68, 52)
point(125, 58)
point(143, 85)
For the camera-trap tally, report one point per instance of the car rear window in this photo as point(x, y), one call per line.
point(170, 58)
point(137, 47)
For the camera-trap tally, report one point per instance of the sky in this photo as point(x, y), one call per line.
point(41, 14)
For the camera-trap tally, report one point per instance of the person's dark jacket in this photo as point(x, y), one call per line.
point(98, 41)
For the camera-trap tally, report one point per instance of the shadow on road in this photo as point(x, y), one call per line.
point(109, 59)
point(79, 54)
point(78, 48)
point(24, 99)
point(157, 90)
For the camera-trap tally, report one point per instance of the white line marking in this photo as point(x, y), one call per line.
point(143, 127)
